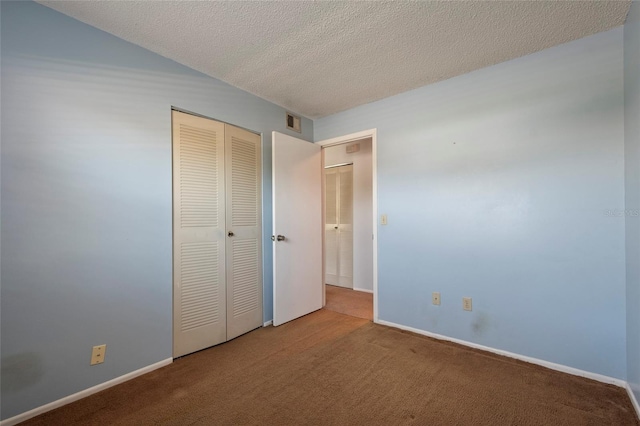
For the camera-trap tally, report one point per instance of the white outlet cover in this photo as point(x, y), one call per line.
point(97, 354)
point(467, 304)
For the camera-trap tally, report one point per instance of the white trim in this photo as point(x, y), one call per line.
point(551, 365)
point(364, 290)
point(348, 138)
point(374, 166)
point(83, 394)
point(633, 399)
point(373, 134)
point(268, 323)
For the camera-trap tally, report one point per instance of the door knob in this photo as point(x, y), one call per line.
point(280, 237)
point(231, 234)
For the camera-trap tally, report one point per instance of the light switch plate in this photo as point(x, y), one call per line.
point(383, 219)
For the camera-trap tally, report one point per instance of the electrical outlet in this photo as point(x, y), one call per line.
point(97, 354)
point(466, 303)
point(383, 219)
point(435, 298)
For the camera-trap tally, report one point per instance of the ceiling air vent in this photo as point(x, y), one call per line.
point(293, 123)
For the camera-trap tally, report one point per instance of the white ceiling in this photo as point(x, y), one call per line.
point(319, 58)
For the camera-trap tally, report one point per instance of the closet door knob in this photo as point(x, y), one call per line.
point(280, 237)
point(231, 234)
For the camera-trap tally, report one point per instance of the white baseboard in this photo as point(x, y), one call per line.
point(634, 401)
point(268, 323)
point(551, 365)
point(364, 290)
point(83, 394)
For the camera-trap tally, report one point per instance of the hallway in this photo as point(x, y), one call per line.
point(349, 302)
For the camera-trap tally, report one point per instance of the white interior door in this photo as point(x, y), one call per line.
point(331, 205)
point(199, 309)
point(297, 228)
point(338, 229)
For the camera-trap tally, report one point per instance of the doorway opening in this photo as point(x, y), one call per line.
point(298, 223)
point(349, 225)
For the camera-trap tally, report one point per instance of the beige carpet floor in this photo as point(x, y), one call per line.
point(331, 369)
point(349, 302)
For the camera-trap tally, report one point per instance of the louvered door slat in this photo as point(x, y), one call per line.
point(244, 253)
point(198, 232)
point(245, 268)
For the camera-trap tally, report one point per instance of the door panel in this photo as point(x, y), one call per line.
point(331, 227)
point(339, 226)
point(198, 233)
point(244, 231)
point(297, 216)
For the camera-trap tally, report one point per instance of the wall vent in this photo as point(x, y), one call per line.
point(294, 123)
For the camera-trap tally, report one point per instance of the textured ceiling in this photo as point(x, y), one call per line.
point(319, 58)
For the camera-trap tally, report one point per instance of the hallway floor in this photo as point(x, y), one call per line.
point(349, 302)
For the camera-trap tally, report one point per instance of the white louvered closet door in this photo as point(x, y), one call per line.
point(244, 230)
point(198, 233)
point(339, 226)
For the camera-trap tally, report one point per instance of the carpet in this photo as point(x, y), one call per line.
point(331, 369)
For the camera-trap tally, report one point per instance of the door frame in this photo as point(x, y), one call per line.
point(340, 140)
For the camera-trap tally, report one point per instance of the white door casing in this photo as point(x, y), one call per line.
point(297, 216)
point(353, 137)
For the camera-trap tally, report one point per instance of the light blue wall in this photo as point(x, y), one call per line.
point(86, 199)
point(632, 191)
point(496, 186)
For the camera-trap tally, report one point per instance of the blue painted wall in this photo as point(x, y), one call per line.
point(504, 185)
point(499, 185)
point(86, 199)
point(632, 191)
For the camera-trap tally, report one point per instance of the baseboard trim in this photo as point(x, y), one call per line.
point(634, 401)
point(364, 290)
point(551, 365)
point(83, 394)
point(268, 323)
